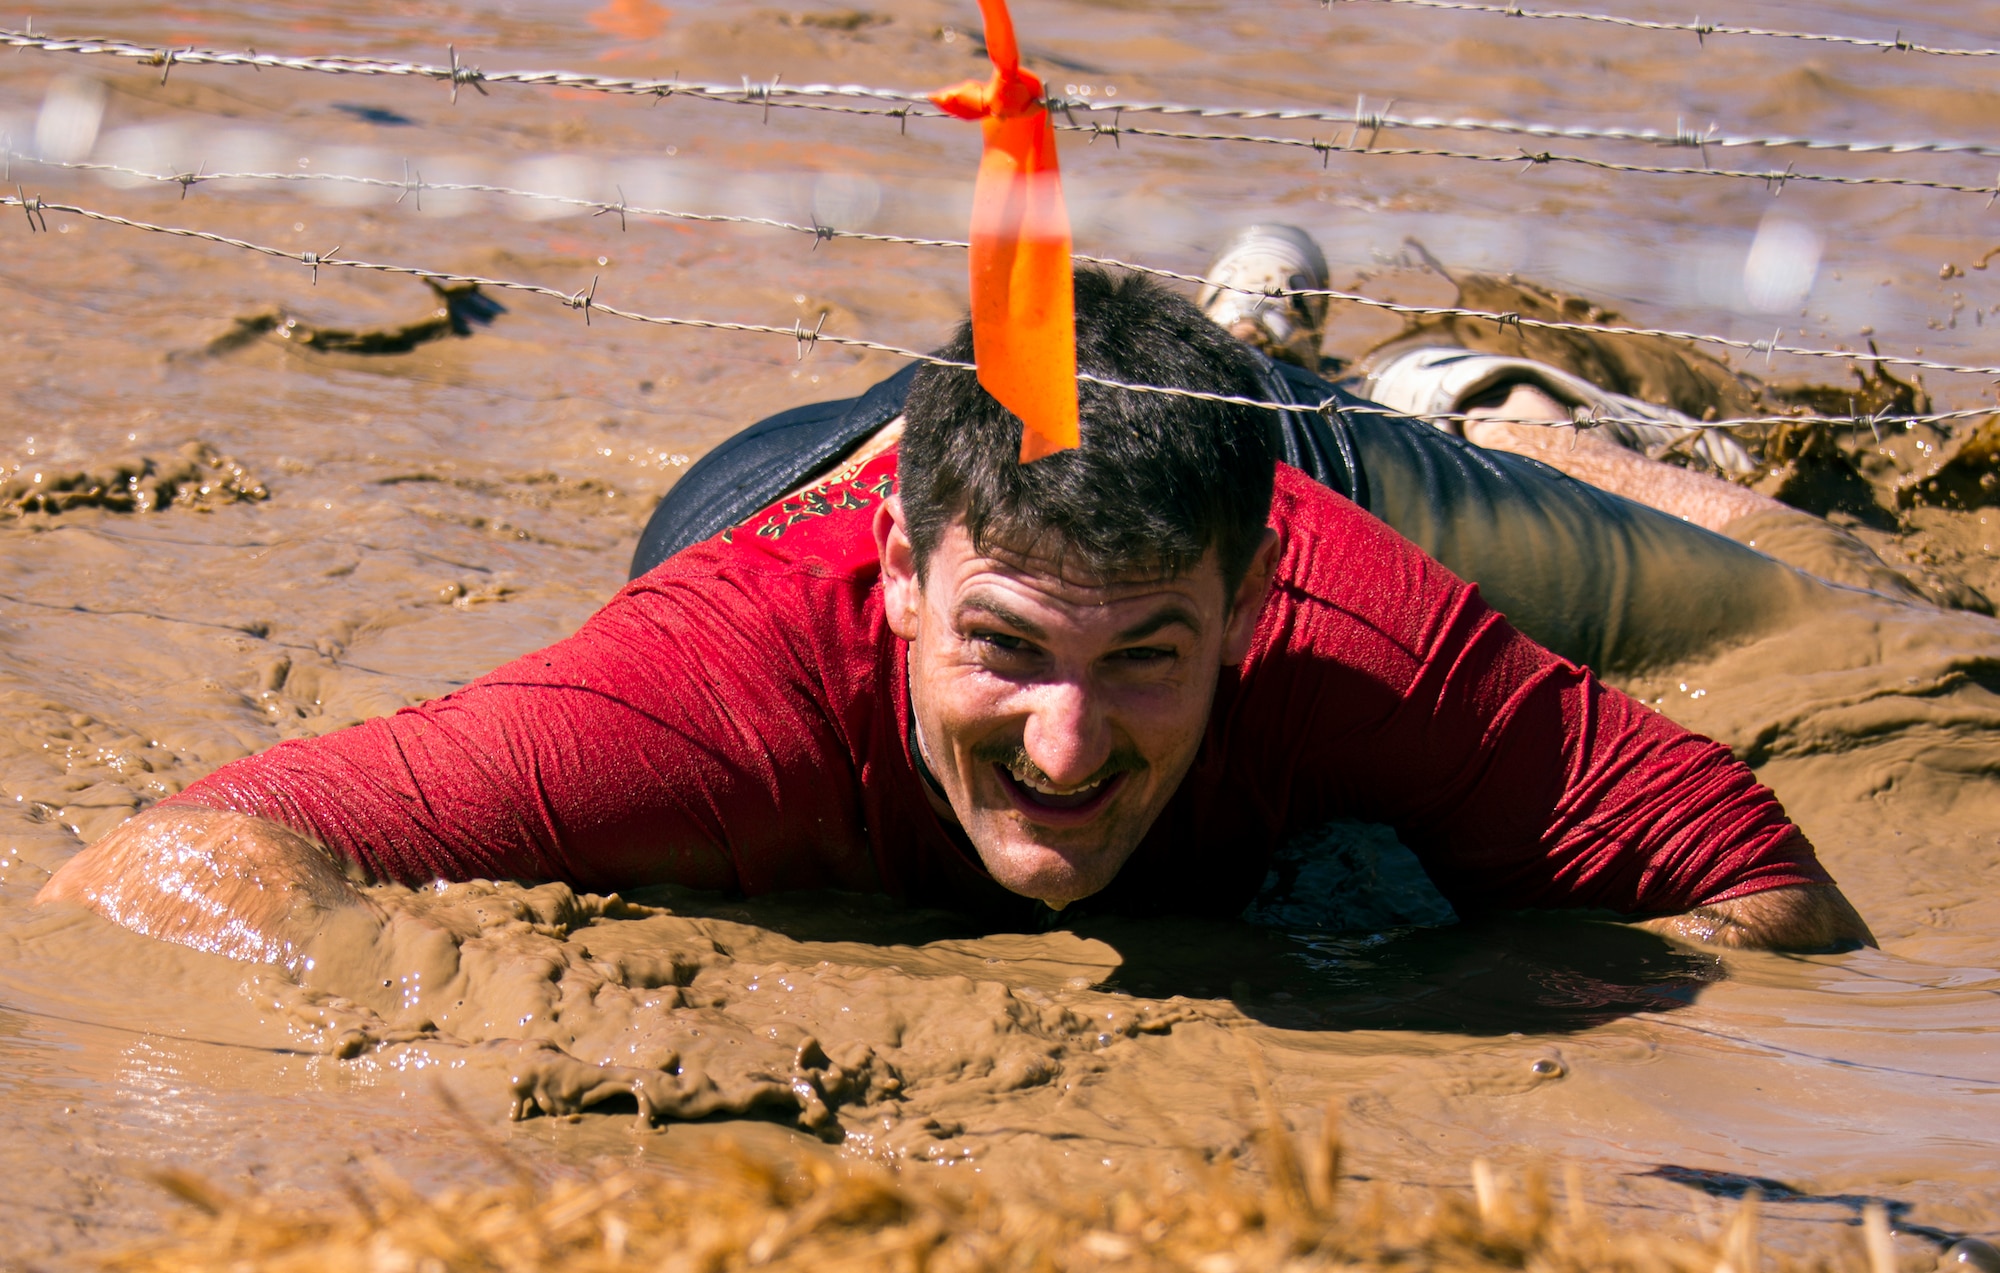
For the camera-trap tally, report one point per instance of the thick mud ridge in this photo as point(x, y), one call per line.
point(216, 534)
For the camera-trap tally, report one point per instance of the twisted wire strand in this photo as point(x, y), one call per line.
point(1774, 177)
point(1365, 120)
point(1505, 319)
point(585, 300)
point(1699, 29)
point(417, 185)
point(456, 74)
point(904, 104)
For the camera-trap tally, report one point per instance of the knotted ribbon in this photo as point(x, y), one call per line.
point(1023, 300)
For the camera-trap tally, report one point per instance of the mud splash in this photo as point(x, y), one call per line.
point(435, 511)
point(584, 1002)
point(195, 476)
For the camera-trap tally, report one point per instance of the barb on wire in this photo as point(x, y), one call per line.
point(766, 93)
point(621, 209)
point(33, 207)
point(808, 339)
point(410, 187)
point(586, 301)
point(906, 103)
point(823, 233)
point(1699, 29)
point(166, 64)
point(313, 260)
point(459, 73)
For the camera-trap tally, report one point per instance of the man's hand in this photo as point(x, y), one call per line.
point(1801, 917)
point(221, 882)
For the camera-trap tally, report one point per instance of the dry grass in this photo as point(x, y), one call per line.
point(755, 1214)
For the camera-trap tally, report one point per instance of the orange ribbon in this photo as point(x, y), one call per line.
point(1023, 297)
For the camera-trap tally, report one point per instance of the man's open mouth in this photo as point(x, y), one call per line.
point(1044, 802)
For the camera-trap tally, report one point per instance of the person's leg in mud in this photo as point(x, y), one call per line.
point(1513, 413)
point(1508, 402)
point(1524, 419)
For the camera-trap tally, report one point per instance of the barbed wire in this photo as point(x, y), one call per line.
point(459, 74)
point(1775, 178)
point(1364, 120)
point(415, 184)
point(585, 300)
point(1508, 318)
point(1699, 29)
point(909, 104)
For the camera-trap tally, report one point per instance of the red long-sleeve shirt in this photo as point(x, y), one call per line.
point(738, 718)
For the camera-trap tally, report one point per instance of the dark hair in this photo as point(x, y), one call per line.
point(1158, 481)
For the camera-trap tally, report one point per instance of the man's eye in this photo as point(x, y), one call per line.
point(1001, 641)
point(1145, 654)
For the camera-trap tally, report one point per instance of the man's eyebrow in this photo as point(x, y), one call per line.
point(1011, 618)
point(1165, 617)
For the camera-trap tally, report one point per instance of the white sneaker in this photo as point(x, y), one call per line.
point(1260, 261)
point(1440, 380)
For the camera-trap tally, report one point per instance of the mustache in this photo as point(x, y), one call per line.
point(1014, 757)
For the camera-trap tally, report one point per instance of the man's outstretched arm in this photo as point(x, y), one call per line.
point(1798, 917)
point(649, 747)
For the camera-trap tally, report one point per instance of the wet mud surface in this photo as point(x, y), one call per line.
point(214, 537)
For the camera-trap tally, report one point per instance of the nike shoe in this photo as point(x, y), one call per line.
point(1243, 298)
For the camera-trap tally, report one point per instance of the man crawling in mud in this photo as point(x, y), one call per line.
point(1122, 673)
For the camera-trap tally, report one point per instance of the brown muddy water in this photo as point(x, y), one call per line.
point(265, 537)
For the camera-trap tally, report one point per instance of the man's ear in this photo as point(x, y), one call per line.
point(1248, 603)
point(901, 589)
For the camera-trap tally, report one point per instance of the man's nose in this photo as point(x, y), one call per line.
point(1067, 736)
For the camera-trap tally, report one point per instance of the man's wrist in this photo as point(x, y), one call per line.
point(1797, 917)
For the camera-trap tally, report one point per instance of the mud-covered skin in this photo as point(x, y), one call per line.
point(225, 883)
point(1059, 716)
point(1808, 918)
point(1519, 417)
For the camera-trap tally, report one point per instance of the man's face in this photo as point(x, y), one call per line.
point(1059, 715)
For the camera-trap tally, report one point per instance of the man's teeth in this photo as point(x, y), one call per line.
point(1036, 782)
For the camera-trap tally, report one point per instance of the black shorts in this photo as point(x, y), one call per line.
point(1597, 578)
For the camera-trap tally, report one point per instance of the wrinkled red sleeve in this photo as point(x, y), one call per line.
point(678, 736)
point(1518, 778)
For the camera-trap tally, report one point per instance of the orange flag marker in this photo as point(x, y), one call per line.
point(1023, 294)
